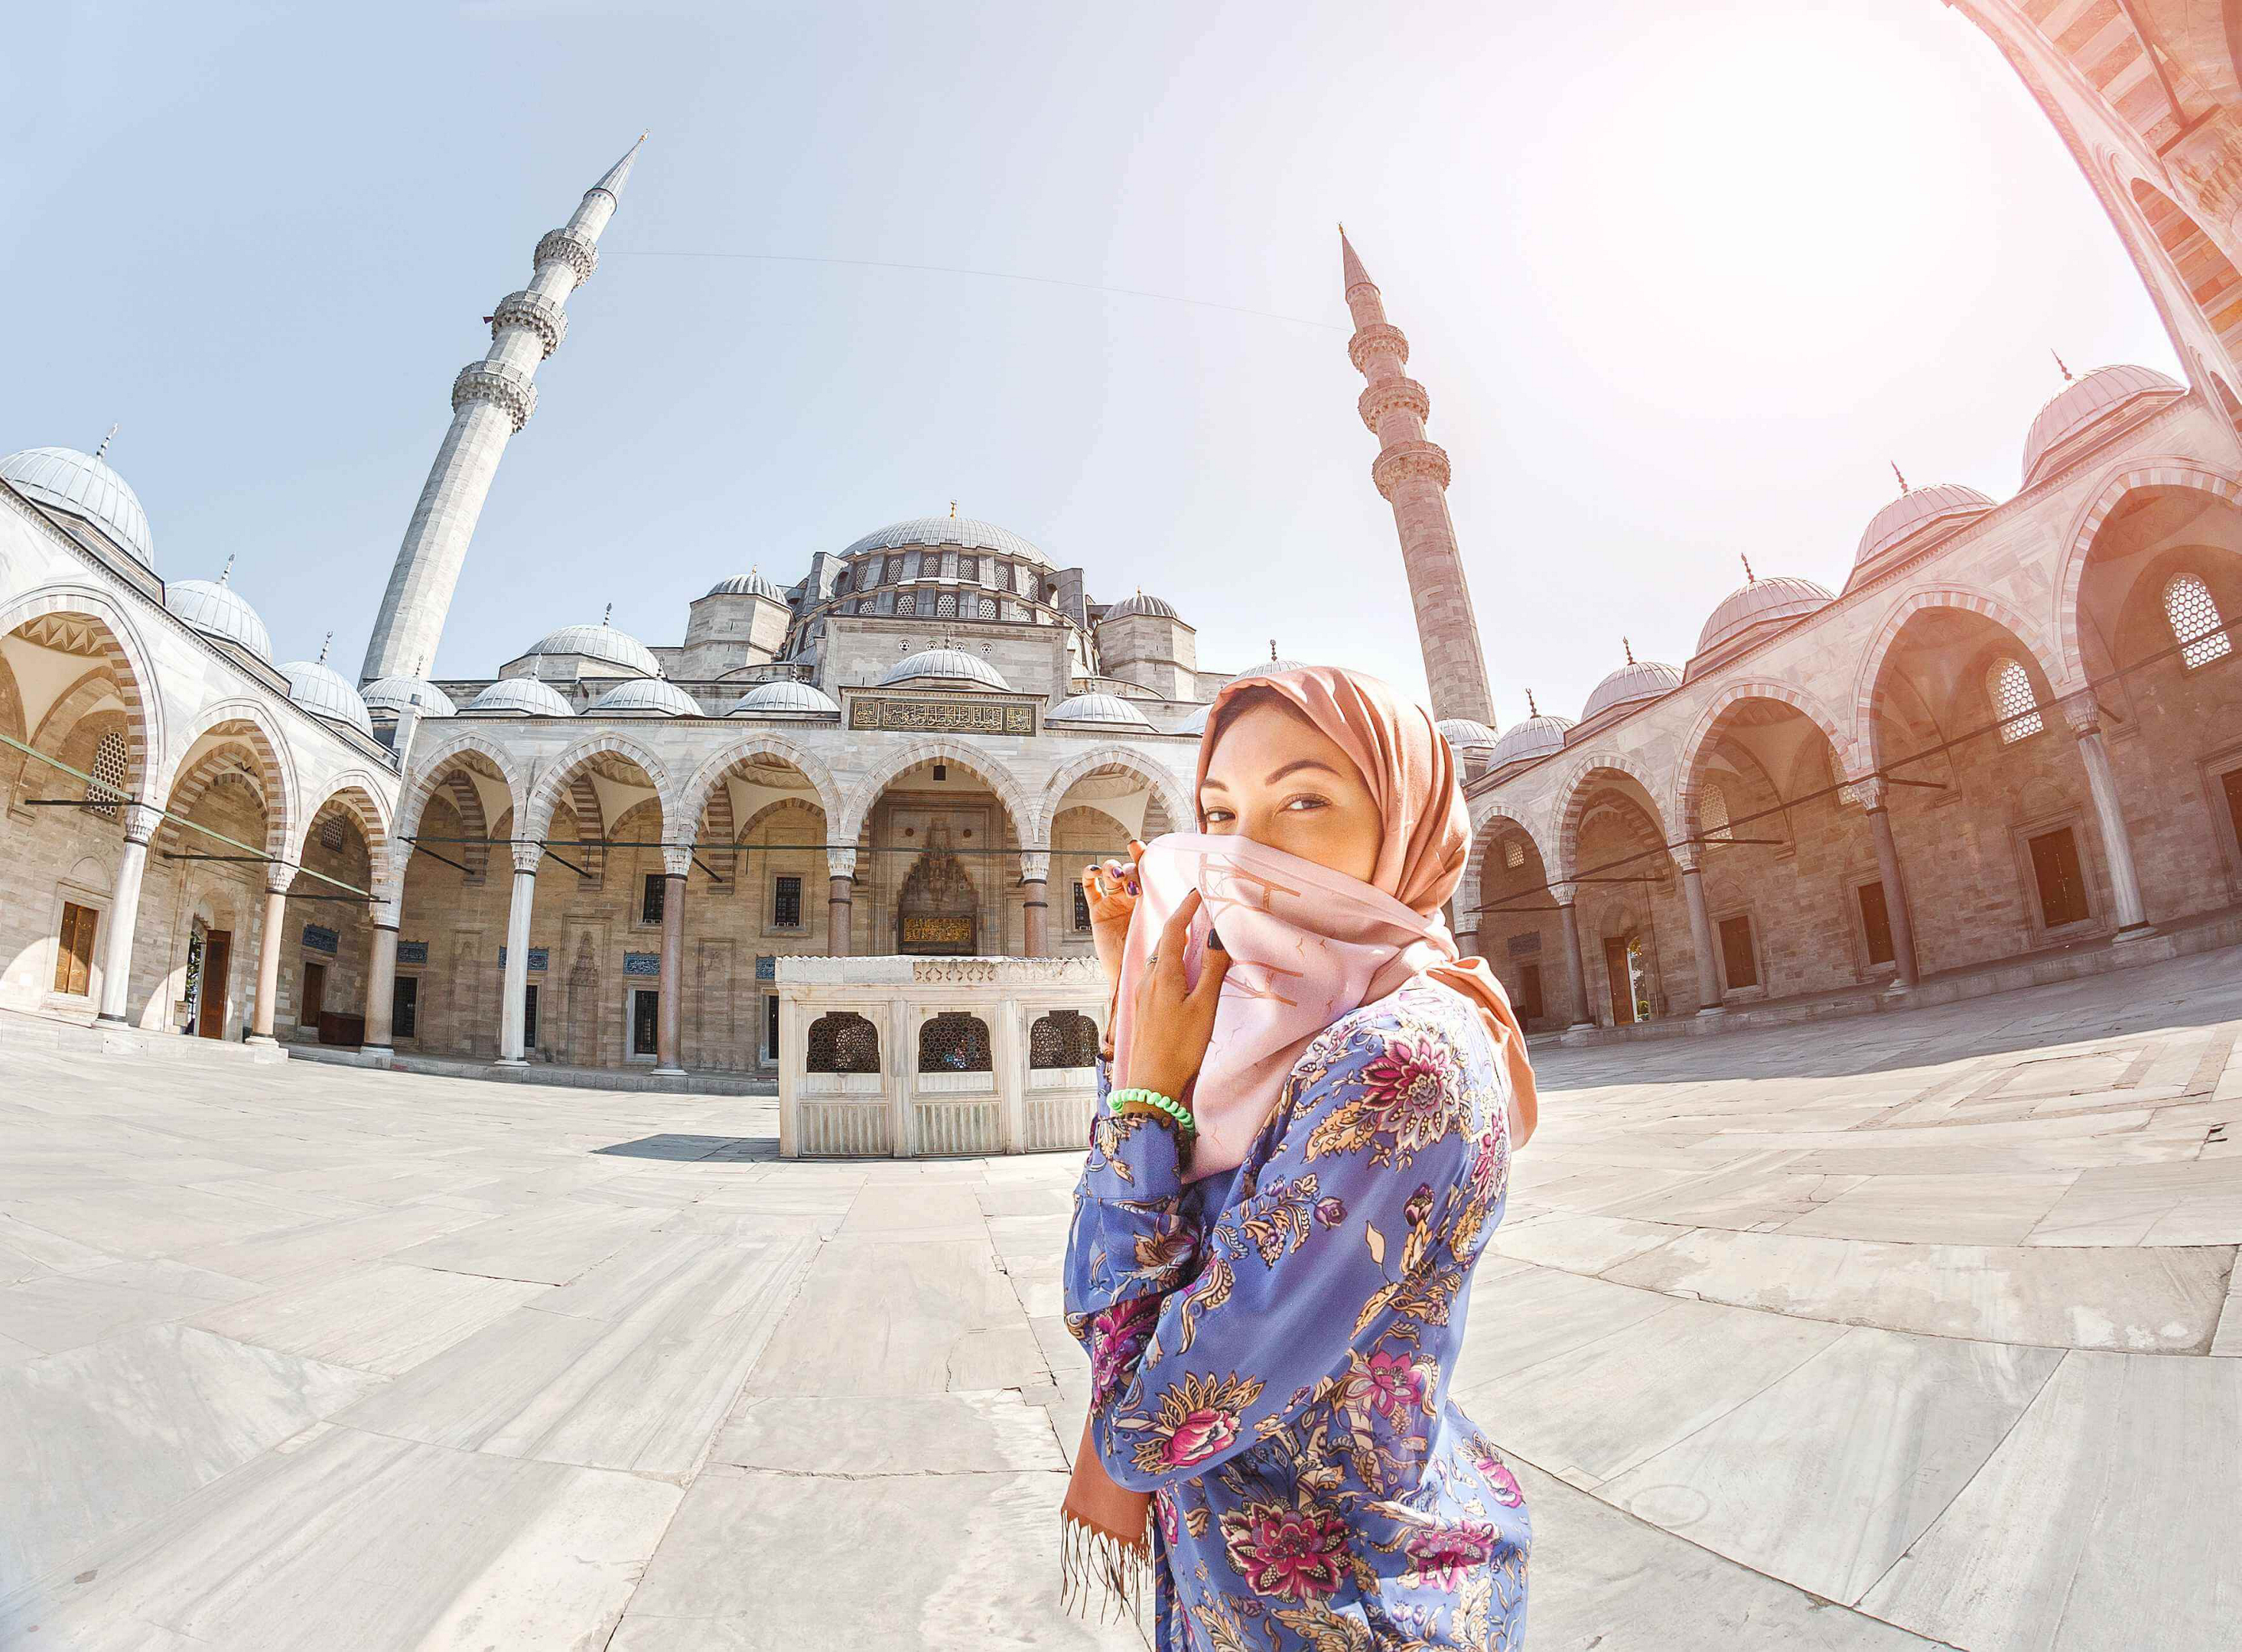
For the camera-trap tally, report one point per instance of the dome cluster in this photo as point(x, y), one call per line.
point(83, 485)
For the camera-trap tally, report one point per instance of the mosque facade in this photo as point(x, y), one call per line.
point(2013, 732)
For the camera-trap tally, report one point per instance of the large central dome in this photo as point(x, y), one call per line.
point(963, 532)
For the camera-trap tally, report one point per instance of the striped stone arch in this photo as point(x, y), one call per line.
point(1489, 819)
point(584, 799)
point(1162, 781)
point(250, 723)
point(696, 795)
point(118, 645)
point(2030, 637)
point(777, 806)
point(545, 795)
point(355, 793)
point(1683, 804)
point(436, 773)
point(859, 807)
point(1573, 802)
point(74, 703)
point(2189, 474)
point(723, 849)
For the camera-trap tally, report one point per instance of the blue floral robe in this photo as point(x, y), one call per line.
point(1270, 1352)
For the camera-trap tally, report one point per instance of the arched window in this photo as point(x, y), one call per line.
point(954, 1042)
point(840, 1042)
point(1514, 854)
point(1713, 814)
point(988, 607)
point(108, 767)
point(945, 606)
point(907, 603)
point(2014, 702)
point(1063, 1039)
point(2194, 620)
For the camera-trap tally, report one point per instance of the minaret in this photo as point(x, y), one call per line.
point(1413, 473)
point(491, 399)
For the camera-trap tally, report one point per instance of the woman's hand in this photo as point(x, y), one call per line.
point(1172, 1024)
point(1110, 889)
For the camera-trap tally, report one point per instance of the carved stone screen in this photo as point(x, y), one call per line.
point(842, 1042)
point(954, 1043)
point(1063, 1039)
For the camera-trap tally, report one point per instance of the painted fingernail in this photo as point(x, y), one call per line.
point(1214, 940)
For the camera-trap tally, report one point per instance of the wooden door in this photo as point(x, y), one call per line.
point(315, 995)
point(1875, 923)
point(2062, 883)
point(218, 957)
point(1529, 994)
point(2231, 780)
point(1622, 979)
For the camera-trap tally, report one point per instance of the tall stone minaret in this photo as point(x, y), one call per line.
point(1413, 473)
point(491, 399)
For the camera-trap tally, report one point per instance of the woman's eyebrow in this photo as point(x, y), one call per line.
point(1298, 763)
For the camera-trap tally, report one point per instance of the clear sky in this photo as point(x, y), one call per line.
point(1681, 279)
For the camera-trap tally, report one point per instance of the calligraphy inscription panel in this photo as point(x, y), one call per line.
point(940, 717)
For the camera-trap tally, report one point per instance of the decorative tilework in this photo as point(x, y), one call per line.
point(318, 940)
point(413, 951)
point(641, 964)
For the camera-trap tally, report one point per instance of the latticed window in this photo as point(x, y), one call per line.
point(969, 568)
point(786, 902)
point(109, 770)
point(1063, 1039)
point(841, 1042)
point(1081, 907)
point(988, 607)
point(907, 603)
point(945, 606)
point(2014, 702)
point(1712, 815)
point(954, 1043)
point(1514, 854)
point(650, 902)
point(2194, 620)
point(331, 834)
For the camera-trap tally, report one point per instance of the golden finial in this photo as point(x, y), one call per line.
point(1532, 710)
point(1750, 578)
point(227, 573)
point(2064, 370)
point(606, 615)
point(1272, 650)
point(323, 645)
point(105, 441)
point(1904, 487)
point(953, 510)
point(1627, 648)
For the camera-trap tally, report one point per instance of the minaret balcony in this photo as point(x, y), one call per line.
point(569, 246)
point(506, 388)
point(1382, 339)
point(535, 311)
point(1411, 461)
point(1390, 395)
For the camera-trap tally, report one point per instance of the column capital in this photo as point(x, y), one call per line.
point(1689, 858)
point(676, 859)
point(840, 863)
point(1565, 893)
point(279, 877)
point(1035, 866)
point(527, 857)
point(2082, 712)
point(141, 821)
point(1872, 793)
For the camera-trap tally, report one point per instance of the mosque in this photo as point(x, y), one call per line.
point(2010, 744)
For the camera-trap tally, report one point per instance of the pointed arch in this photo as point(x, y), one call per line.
point(1681, 805)
point(248, 723)
point(584, 801)
point(355, 793)
point(117, 642)
point(1489, 820)
point(1162, 781)
point(2187, 475)
point(859, 807)
point(1580, 784)
point(439, 771)
point(545, 795)
point(74, 703)
point(2032, 638)
point(694, 796)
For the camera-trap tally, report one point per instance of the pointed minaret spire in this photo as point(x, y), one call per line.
point(105, 441)
point(492, 400)
point(1904, 487)
point(2061, 368)
point(1413, 473)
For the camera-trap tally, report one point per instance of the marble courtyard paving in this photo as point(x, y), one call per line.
point(1906, 1331)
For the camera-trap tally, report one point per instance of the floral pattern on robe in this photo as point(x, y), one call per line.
point(1275, 1370)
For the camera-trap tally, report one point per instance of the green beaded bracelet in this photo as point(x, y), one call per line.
point(1159, 1103)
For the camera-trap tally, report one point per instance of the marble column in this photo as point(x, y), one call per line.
point(840, 864)
point(1575, 965)
point(670, 1019)
point(1700, 933)
point(2084, 716)
point(516, 985)
point(1034, 893)
point(140, 823)
point(277, 879)
point(381, 977)
point(1872, 793)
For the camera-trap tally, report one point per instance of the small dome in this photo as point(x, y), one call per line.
point(1098, 708)
point(1638, 679)
point(1196, 723)
point(1920, 517)
point(749, 584)
point(1131, 605)
point(521, 697)
point(1468, 735)
point(2083, 404)
point(772, 698)
point(962, 532)
point(217, 611)
point(1536, 737)
point(604, 642)
point(1761, 602)
point(316, 688)
point(647, 694)
point(80, 485)
point(407, 693)
point(947, 665)
point(1268, 668)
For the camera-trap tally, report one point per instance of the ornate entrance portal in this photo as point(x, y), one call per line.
point(938, 914)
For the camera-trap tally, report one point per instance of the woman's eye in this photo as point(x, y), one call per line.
point(1304, 803)
point(1216, 816)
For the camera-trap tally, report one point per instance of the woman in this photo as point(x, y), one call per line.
point(1305, 1152)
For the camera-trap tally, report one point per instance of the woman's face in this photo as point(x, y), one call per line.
point(1274, 778)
